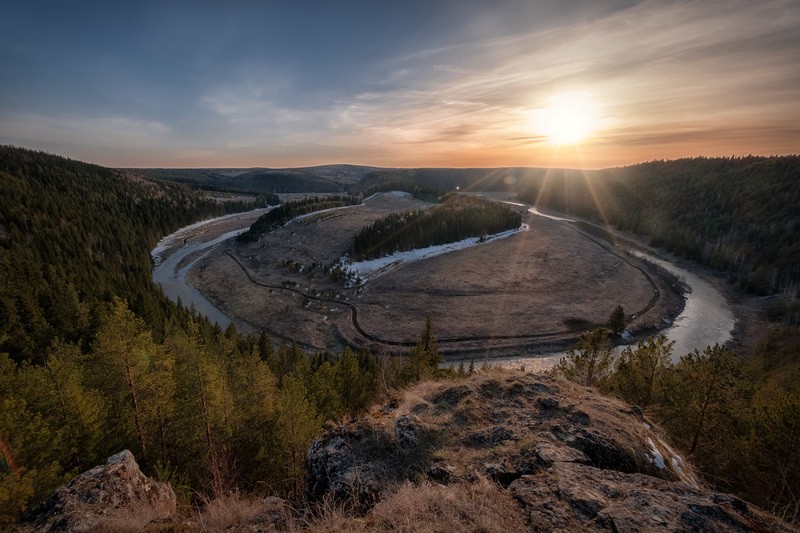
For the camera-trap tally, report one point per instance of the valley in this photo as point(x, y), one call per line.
point(527, 295)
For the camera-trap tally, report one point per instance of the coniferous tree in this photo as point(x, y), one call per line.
point(590, 361)
point(639, 374)
point(298, 424)
point(700, 391)
point(616, 322)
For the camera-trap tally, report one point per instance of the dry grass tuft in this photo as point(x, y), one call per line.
point(481, 506)
point(236, 509)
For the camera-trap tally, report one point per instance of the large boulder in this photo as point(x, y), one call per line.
point(357, 462)
point(572, 459)
point(114, 496)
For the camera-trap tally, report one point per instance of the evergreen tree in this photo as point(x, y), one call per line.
point(298, 424)
point(590, 361)
point(639, 373)
point(616, 322)
point(700, 397)
point(121, 368)
point(423, 359)
point(354, 383)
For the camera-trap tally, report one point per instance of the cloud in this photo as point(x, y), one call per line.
point(110, 131)
point(696, 69)
point(721, 75)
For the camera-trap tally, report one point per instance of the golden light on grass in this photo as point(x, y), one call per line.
point(569, 118)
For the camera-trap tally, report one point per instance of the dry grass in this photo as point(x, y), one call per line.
point(479, 506)
point(237, 510)
point(530, 283)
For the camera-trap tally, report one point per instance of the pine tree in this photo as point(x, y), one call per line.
point(298, 424)
point(590, 361)
point(700, 392)
point(616, 322)
point(639, 373)
point(121, 365)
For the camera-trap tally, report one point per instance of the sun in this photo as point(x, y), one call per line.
point(569, 118)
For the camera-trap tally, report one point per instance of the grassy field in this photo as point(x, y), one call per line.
point(516, 296)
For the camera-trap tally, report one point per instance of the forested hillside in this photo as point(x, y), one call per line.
point(93, 359)
point(74, 235)
point(261, 180)
point(380, 181)
point(737, 215)
point(279, 216)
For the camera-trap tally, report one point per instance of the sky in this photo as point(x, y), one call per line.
point(467, 83)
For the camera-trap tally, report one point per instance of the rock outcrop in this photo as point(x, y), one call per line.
point(114, 496)
point(572, 459)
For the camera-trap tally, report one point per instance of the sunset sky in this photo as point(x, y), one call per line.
point(571, 83)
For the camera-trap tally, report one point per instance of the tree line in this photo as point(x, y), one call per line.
point(737, 418)
point(375, 182)
point(209, 412)
point(282, 214)
point(457, 218)
point(737, 215)
point(73, 236)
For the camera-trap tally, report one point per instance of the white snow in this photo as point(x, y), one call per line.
point(535, 211)
point(168, 241)
point(373, 268)
point(657, 458)
point(676, 465)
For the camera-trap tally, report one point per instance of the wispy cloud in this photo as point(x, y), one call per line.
point(670, 78)
point(699, 67)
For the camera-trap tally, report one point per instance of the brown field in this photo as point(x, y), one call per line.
point(518, 296)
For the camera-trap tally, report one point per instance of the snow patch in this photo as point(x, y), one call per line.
point(168, 241)
point(656, 458)
point(372, 268)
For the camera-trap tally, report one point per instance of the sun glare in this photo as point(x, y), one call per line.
point(569, 118)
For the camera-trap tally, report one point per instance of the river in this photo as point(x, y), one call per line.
point(706, 319)
point(173, 279)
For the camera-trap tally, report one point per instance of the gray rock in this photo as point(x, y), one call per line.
point(451, 397)
point(489, 438)
point(106, 497)
point(356, 463)
point(577, 497)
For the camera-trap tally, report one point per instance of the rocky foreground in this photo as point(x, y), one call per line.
point(496, 452)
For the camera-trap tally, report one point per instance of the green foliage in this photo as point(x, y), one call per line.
point(298, 424)
point(616, 322)
point(72, 235)
point(282, 214)
point(423, 360)
point(457, 218)
point(640, 373)
point(699, 394)
point(736, 215)
point(590, 361)
point(738, 418)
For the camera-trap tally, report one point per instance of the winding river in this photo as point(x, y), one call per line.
point(170, 272)
point(706, 319)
